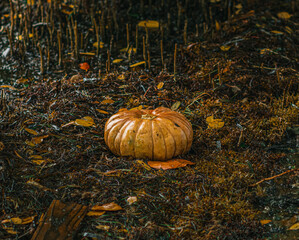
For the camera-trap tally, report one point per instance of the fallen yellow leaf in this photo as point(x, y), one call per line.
point(149, 24)
point(266, 221)
point(121, 77)
point(87, 54)
point(107, 207)
point(85, 122)
point(175, 106)
point(143, 164)
point(277, 32)
point(8, 86)
point(31, 131)
point(295, 226)
point(10, 230)
point(96, 44)
point(38, 140)
point(103, 227)
point(1, 146)
point(102, 111)
point(214, 123)
point(107, 101)
point(19, 221)
point(217, 26)
point(283, 15)
point(160, 85)
point(35, 157)
point(117, 60)
point(224, 48)
point(39, 162)
point(29, 143)
point(137, 64)
point(30, 2)
point(130, 50)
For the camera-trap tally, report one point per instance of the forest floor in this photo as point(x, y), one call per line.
point(239, 64)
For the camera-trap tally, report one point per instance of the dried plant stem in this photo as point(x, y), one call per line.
point(136, 38)
point(179, 14)
point(277, 74)
point(108, 61)
point(212, 81)
point(76, 40)
point(71, 35)
point(48, 54)
point(111, 43)
point(128, 36)
point(41, 58)
point(146, 36)
point(219, 75)
point(144, 54)
point(185, 32)
point(10, 41)
point(59, 47)
point(174, 60)
point(11, 36)
point(97, 36)
point(270, 178)
point(162, 55)
point(148, 59)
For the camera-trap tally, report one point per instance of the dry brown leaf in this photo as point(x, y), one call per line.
point(149, 24)
point(175, 106)
point(107, 101)
point(118, 60)
point(8, 86)
point(85, 122)
point(102, 111)
point(95, 44)
point(224, 48)
point(143, 164)
point(38, 140)
point(277, 32)
point(84, 66)
point(131, 200)
point(107, 207)
point(39, 162)
point(19, 221)
point(170, 164)
point(160, 85)
point(95, 213)
point(284, 15)
point(31, 131)
point(9, 230)
point(103, 227)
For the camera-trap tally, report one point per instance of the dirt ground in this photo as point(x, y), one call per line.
point(234, 60)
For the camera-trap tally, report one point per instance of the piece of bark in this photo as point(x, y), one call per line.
point(60, 222)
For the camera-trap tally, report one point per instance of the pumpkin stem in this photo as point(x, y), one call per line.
point(148, 116)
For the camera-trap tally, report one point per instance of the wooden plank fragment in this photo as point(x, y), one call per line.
point(60, 222)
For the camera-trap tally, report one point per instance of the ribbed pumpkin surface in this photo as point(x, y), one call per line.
point(159, 134)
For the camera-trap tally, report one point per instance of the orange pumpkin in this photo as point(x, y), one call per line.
point(159, 134)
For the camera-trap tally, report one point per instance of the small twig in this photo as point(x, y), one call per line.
point(270, 178)
point(146, 91)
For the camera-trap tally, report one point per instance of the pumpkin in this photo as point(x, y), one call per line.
point(159, 134)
